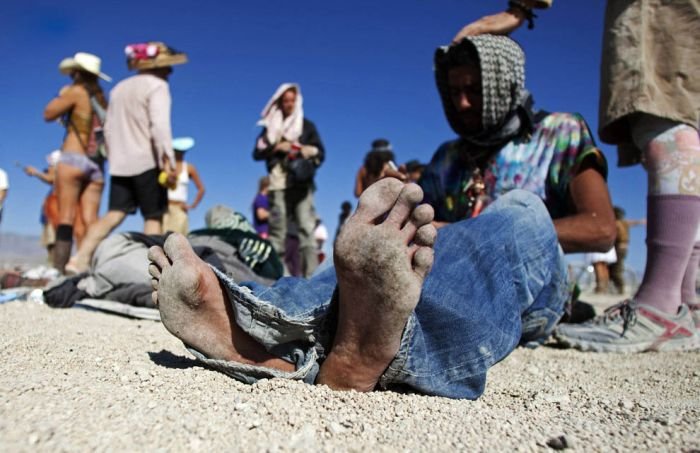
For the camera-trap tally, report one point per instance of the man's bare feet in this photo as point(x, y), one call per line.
point(382, 255)
point(195, 308)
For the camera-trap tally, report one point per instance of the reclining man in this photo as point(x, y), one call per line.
point(379, 319)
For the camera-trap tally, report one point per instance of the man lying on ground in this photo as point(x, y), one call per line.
point(379, 319)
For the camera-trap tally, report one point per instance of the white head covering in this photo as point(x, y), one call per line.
point(273, 120)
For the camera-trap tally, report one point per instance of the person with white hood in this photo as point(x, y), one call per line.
point(292, 149)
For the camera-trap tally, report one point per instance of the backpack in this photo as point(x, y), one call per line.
point(96, 147)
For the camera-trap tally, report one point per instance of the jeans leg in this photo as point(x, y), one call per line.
point(493, 277)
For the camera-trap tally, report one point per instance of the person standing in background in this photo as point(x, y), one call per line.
point(4, 187)
point(379, 163)
point(79, 177)
point(261, 208)
point(617, 269)
point(49, 209)
point(345, 211)
point(414, 170)
point(175, 219)
point(290, 142)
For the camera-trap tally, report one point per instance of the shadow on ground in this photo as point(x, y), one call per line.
point(169, 360)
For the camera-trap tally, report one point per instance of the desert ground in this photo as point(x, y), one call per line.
point(77, 380)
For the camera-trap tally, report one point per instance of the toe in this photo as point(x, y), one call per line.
point(157, 258)
point(177, 247)
point(423, 261)
point(154, 271)
point(426, 235)
point(377, 199)
point(154, 298)
point(410, 196)
point(420, 216)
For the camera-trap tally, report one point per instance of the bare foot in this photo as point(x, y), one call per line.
point(382, 255)
point(195, 308)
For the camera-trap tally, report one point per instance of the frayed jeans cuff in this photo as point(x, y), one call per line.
point(396, 367)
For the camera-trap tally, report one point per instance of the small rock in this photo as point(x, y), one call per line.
point(533, 370)
point(34, 439)
point(335, 428)
point(626, 404)
point(559, 443)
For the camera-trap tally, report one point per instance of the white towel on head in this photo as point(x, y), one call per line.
point(273, 120)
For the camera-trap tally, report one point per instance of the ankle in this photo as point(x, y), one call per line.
point(341, 372)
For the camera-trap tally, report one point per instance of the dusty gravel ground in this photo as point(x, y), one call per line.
point(76, 380)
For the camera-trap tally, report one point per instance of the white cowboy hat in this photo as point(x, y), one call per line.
point(84, 61)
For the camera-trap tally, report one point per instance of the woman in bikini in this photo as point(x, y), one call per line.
point(79, 173)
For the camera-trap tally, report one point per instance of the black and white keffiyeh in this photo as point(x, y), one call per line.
point(506, 103)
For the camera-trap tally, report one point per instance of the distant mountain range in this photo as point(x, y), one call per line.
point(21, 250)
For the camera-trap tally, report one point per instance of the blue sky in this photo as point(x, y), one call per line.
point(365, 69)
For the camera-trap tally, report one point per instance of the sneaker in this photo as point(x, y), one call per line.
point(629, 327)
point(695, 313)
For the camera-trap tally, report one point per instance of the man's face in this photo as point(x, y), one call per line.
point(465, 92)
point(289, 98)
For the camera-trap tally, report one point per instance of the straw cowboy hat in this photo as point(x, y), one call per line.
point(83, 61)
point(151, 55)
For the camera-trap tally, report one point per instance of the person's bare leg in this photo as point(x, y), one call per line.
point(68, 185)
point(95, 234)
point(382, 256)
point(195, 308)
point(88, 208)
point(153, 226)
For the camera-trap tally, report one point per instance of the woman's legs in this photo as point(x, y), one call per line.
point(602, 277)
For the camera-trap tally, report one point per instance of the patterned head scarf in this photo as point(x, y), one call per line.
point(506, 102)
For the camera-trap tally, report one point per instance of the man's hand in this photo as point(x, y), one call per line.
point(308, 151)
point(283, 147)
point(171, 180)
point(497, 24)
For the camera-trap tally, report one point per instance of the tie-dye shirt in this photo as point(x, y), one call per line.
point(545, 163)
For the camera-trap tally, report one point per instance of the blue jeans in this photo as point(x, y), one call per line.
point(498, 280)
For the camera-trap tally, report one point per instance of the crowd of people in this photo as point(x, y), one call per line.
point(443, 268)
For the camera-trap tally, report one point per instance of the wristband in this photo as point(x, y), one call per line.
point(526, 10)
